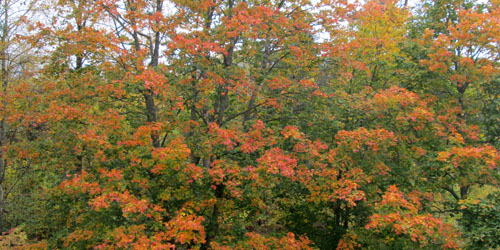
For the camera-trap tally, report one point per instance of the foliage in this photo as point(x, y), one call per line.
point(480, 221)
point(283, 124)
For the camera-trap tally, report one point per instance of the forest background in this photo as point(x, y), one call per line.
point(249, 124)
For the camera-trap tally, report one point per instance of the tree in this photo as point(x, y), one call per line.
point(228, 124)
point(17, 62)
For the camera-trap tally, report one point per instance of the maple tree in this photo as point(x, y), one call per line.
point(282, 124)
point(18, 64)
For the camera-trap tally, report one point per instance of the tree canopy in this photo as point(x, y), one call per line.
point(249, 124)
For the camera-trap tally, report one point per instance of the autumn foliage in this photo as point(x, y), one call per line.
point(228, 124)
